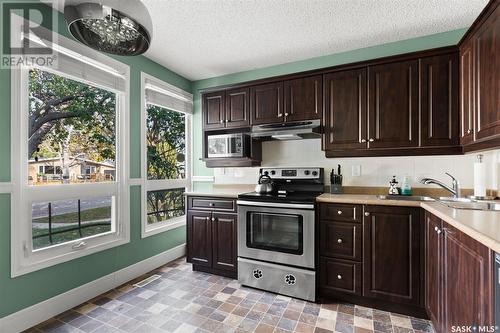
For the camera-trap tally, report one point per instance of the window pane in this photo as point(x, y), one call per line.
point(166, 143)
point(165, 204)
point(66, 220)
point(71, 130)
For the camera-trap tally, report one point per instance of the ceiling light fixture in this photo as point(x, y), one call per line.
point(121, 27)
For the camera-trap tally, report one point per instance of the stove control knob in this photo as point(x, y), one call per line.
point(307, 172)
point(315, 173)
point(273, 172)
point(266, 173)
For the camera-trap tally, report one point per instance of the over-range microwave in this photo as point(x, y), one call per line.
point(228, 145)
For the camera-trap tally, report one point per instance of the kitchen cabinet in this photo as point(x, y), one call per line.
point(345, 109)
point(266, 103)
point(393, 105)
point(392, 258)
point(439, 109)
point(213, 110)
point(459, 278)
point(212, 234)
point(480, 83)
point(237, 108)
point(303, 99)
point(372, 256)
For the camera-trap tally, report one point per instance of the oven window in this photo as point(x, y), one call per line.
point(275, 232)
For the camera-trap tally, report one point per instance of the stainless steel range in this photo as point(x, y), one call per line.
point(276, 233)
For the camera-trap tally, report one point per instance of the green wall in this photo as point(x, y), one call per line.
point(29, 289)
point(400, 47)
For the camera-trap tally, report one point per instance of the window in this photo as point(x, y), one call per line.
point(166, 115)
point(69, 144)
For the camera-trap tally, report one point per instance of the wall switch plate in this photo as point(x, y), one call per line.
point(356, 170)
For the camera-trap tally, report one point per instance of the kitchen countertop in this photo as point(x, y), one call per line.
point(483, 226)
point(223, 191)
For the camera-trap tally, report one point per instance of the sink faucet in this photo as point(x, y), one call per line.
point(455, 185)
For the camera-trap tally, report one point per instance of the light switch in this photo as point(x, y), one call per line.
point(356, 170)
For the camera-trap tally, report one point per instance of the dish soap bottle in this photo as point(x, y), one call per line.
point(406, 187)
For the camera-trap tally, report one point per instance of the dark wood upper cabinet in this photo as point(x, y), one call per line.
point(266, 103)
point(467, 281)
point(213, 110)
point(237, 108)
point(393, 105)
point(392, 263)
point(439, 100)
point(224, 241)
point(199, 251)
point(466, 93)
point(487, 62)
point(304, 98)
point(433, 270)
point(345, 109)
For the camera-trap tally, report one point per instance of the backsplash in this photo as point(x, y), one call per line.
point(375, 171)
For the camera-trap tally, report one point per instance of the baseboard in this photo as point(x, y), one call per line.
point(37, 313)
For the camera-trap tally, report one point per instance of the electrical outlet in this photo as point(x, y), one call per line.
point(356, 170)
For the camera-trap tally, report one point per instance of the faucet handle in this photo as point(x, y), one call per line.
point(452, 178)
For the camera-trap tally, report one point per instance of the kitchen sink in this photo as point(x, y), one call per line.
point(405, 198)
point(466, 203)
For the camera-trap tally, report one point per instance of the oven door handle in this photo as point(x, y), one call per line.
point(274, 204)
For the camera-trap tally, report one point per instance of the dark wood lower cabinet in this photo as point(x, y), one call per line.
point(211, 238)
point(340, 276)
point(459, 278)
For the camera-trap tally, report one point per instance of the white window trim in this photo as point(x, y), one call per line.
point(152, 185)
point(23, 259)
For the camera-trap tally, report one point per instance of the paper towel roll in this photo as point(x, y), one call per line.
point(479, 179)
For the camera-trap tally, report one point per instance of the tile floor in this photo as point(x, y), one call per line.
point(186, 301)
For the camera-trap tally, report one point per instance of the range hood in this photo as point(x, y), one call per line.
point(309, 129)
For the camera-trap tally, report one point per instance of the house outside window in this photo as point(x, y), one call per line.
point(69, 145)
point(166, 161)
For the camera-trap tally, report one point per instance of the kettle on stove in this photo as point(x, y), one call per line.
point(265, 184)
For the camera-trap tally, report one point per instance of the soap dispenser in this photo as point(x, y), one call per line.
point(406, 187)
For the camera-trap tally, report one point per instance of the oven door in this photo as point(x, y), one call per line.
point(278, 233)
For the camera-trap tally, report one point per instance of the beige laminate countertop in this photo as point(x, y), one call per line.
point(483, 226)
point(230, 191)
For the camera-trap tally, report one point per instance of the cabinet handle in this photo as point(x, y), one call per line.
point(280, 115)
point(339, 212)
point(222, 121)
point(339, 277)
point(213, 219)
point(286, 114)
point(227, 121)
point(208, 218)
point(339, 240)
point(363, 140)
point(469, 131)
point(211, 204)
point(367, 213)
point(371, 140)
point(436, 228)
point(438, 231)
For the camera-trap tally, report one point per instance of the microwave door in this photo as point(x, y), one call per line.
point(218, 146)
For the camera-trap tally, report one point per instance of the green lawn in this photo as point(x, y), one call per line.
point(90, 230)
point(86, 215)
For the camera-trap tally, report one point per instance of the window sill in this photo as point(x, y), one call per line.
point(166, 226)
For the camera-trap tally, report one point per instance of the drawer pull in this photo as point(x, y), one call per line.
point(208, 218)
point(339, 277)
point(213, 219)
point(211, 204)
point(367, 213)
point(339, 240)
point(339, 212)
point(436, 228)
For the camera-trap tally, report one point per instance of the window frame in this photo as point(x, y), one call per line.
point(163, 184)
point(23, 258)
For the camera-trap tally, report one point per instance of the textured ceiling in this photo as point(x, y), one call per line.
point(205, 38)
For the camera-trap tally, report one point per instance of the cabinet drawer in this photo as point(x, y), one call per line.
point(341, 212)
point(212, 204)
point(340, 240)
point(340, 275)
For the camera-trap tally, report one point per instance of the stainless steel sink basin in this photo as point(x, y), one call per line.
point(405, 198)
point(466, 203)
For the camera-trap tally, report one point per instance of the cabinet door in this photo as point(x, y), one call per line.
point(304, 98)
point(266, 103)
point(340, 240)
point(391, 254)
point(466, 92)
point(439, 100)
point(199, 238)
point(433, 270)
point(487, 59)
point(393, 105)
point(467, 281)
point(237, 108)
point(224, 241)
point(345, 109)
point(213, 110)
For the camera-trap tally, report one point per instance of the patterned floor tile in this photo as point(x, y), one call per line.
point(183, 301)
